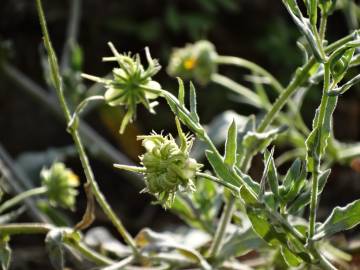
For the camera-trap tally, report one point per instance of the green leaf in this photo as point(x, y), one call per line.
point(256, 142)
point(305, 27)
point(231, 145)
point(241, 243)
point(181, 95)
point(316, 143)
point(193, 106)
point(54, 246)
point(5, 253)
point(327, 6)
point(294, 180)
point(290, 258)
point(311, 6)
point(304, 198)
point(272, 174)
point(340, 62)
point(221, 170)
point(340, 219)
point(274, 233)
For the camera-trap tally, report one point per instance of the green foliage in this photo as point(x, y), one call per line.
point(237, 212)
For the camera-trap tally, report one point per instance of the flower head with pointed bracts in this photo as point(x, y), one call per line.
point(131, 84)
point(167, 167)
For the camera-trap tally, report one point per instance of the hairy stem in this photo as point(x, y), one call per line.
point(315, 175)
point(75, 134)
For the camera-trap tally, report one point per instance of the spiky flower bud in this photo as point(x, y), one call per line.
point(168, 167)
point(131, 84)
point(195, 61)
point(61, 185)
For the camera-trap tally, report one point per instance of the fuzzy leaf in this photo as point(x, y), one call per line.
point(5, 254)
point(222, 171)
point(257, 142)
point(294, 180)
point(290, 258)
point(240, 243)
point(231, 145)
point(193, 105)
point(316, 143)
point(311, 6)
point(55, 248)
point(304, 198)
point(272, 174)
point(181, 95)
point(340, 219)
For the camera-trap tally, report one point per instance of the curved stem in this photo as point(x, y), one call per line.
point(237, 88)
point(21, 197)
point(25, 228)
point(90, 254)
point(237, 61)
point(76, 137)
point(219, 181)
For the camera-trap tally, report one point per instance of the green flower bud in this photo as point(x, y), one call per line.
point(131, 84)
point(195, 61)
point(168, 167)
point(60, 183)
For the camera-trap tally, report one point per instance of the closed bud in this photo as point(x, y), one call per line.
point(61, 185)
point(194, 62)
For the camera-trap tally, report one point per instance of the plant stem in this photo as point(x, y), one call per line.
point(90, 254)
point(237, 61)
point(316, 165)
point(237, 88)
point(217, 180)
point(75, 134)
point(25, 228)
point(322, 28)
point(22, 196)
point(225, 220)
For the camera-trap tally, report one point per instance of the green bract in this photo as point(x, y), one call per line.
point(60, 183)
point(131, 84)
point(195, 61)
point(168, 167)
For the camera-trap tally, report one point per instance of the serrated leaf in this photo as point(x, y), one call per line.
point(316, 143)
point(231, 145)
point(340, 62)
point(5, 254)
point(55, 248)
point(340, 219)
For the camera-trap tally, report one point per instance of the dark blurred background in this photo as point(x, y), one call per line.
point(257, 30)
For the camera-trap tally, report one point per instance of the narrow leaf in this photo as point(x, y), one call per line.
point(193, 105)
point(181, 95)
point(272, 174)
point(231, 145)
